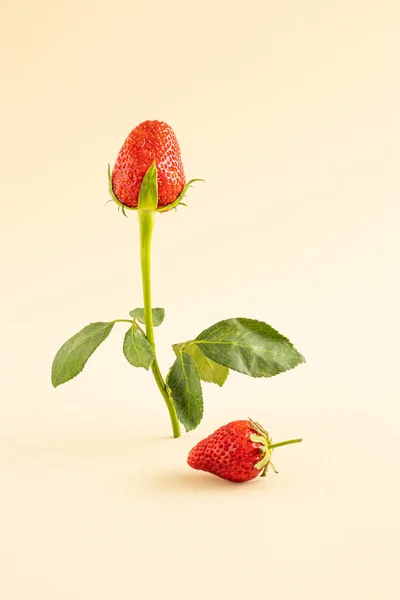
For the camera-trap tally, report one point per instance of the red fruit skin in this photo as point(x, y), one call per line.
point(148, 142)
point(228, 453)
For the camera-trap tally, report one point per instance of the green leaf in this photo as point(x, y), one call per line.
point(184, 385)
point(73, 355)
point(209, 370)
point(250, 347)
point(148, 194)
point(158, 315)
point(137, 349)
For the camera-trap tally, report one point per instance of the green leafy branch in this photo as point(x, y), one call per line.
point(244, 345)
point(75, 352)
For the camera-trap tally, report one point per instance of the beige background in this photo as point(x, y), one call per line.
point(289, 110)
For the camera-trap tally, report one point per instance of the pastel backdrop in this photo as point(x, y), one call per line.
point(289, 111)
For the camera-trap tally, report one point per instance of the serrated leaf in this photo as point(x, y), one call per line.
point(184, 385)
point(250, 347)
point(73, 355)
point(209, 371)
point(158, 315)
point(137, 349)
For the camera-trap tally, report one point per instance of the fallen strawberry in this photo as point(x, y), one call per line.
point(238, 451)
point(148, 142)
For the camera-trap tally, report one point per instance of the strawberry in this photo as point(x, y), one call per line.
point(148, 142)
point(238, 451)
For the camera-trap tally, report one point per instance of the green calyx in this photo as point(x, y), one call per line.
point(114, 197)
point(266, 446)
point(149, 192)
point(179, 199)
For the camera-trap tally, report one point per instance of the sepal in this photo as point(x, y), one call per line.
point(179, 198)
point(114, 198)
point(149, 186)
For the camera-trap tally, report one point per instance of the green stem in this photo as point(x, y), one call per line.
point(146, 225)
point(285, 443)
point(122, 321)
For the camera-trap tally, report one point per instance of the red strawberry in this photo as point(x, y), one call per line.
point(238, 451)
point(148, 142)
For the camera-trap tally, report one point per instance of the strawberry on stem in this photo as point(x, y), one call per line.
point(148, 142)
point(238, 451)
point(148, 178)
